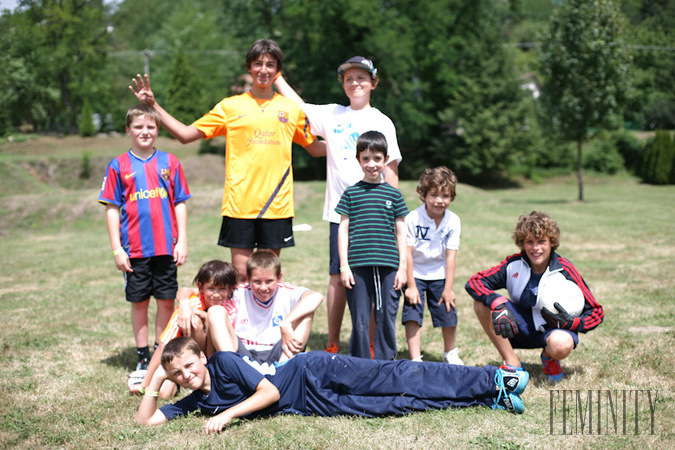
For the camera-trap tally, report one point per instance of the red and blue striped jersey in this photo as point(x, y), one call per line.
point(146, 192)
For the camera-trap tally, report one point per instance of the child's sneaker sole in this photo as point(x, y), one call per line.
point(514, 381)
point(510, 402)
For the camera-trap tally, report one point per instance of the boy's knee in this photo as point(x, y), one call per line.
point(479, 308)
point(166, 305)
point(559, 344)
point(216, 313)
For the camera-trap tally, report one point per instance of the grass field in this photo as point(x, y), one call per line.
point(66, 342)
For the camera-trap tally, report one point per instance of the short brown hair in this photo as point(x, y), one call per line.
point(177, 347)
point(142, 110)
point(218, 272)
point(265, 47)
point(538, 225)
point(263, 260)
point(440, 178)
point(373, 141)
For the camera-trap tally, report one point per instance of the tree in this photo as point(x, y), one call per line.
point(86, 126)
point(586, 70)
point(185, 98)
point(659, 159)
point(61, 44)
point(488, 123)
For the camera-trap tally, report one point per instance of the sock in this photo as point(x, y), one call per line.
point(509, 367)
point(143, 353)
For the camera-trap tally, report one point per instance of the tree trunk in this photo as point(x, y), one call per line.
point(580, 179)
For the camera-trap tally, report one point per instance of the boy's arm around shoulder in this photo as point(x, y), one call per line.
point(286, 90)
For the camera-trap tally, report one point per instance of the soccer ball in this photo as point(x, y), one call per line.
point(565, 292)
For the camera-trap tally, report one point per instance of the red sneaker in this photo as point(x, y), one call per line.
point(552, 369)
point(333, 349)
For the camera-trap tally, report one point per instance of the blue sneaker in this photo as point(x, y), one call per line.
point(508, 401)
point(513, 381)
point(552, 369)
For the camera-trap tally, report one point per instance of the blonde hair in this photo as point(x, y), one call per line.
point(142, 110)
point(263, 260)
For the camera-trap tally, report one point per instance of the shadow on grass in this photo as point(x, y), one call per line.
point(125, 359)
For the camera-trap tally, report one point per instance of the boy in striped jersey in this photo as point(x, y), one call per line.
point(144, 192)
point(372, 250)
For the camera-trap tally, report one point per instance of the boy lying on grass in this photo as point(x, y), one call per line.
point(320, 383)
point(265, 320)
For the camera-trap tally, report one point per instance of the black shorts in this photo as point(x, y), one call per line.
point(256, 233)
point(334, 256)
point(155, 276)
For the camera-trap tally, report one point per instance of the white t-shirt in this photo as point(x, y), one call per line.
point(257, 323)
point(430, 243)
point(341, 126)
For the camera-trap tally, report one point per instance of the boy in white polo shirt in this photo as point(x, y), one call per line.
point(433, 240)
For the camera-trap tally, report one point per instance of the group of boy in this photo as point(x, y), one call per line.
point(376, 247)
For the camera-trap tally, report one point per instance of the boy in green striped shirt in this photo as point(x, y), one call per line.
point(372, 250)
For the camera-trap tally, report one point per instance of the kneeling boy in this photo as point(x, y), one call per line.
point(518, 322)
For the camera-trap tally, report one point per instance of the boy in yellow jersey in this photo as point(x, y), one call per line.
point(260, 127)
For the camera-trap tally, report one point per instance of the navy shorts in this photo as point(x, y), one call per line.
point(155, 276)
point(334, 259)
point(256, 233)
point(262, 356)
point(431, 290)
point(528, 336)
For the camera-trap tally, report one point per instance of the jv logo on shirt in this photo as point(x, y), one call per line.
point(421, 233)
point(276, 321)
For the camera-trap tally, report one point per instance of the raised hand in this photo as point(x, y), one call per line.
point(141, 89)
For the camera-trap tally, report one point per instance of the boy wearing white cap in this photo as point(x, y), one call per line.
point(341, 126)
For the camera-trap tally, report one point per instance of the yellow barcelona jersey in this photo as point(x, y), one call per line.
point(259, 136)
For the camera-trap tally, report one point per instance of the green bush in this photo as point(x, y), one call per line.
point(602, 156)
point(86, 126)
point(657, 167)
point(631, 148)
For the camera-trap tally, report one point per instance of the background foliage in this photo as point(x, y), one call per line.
point(451, 70)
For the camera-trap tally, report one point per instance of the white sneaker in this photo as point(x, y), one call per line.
point(452, 357)
point(418, 359)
